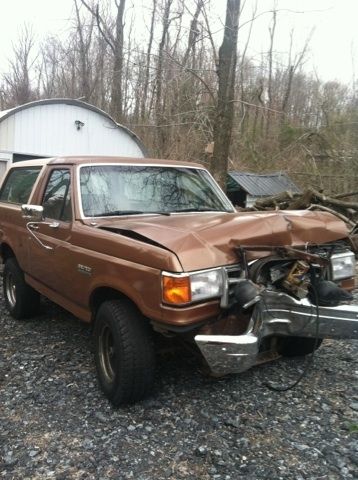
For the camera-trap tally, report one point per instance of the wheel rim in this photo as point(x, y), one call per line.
point(107, 354)
point(10, 289)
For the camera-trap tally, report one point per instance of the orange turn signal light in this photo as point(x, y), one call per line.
point(176, 290)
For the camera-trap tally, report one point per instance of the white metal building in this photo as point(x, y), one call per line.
point(62, 126)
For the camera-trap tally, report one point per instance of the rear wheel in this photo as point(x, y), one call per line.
point(21, 300)
point(124, 352)
point(297, 346)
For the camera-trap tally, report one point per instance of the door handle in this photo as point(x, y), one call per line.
point(34, 226)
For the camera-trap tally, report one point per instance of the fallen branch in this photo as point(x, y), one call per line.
point(344, 195)
point(274, 200)
point(302, 201)
point(333, 201)
point(315, 206)
point(311, 199)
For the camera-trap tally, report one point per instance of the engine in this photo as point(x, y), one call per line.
point(314, 274)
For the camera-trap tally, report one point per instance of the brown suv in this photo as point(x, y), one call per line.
point(139, 246)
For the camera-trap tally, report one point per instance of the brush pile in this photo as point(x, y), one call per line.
point(311, 199)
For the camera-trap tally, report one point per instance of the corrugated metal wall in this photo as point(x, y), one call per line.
point(50, 130)
point(5, 158)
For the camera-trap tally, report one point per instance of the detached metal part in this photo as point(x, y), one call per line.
point(276, 314)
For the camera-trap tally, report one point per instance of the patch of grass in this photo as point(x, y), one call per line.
point(353, 428)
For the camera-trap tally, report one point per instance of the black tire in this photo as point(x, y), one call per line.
point(21, 300)
point(297, 346)
point(124, 352)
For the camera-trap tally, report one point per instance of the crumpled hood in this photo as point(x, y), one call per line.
point(211, 239)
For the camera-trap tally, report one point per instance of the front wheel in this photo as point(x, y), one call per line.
point(124, 352)
point(21, 300)
point(297, 346)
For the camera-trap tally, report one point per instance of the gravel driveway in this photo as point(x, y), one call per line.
point(55, 423)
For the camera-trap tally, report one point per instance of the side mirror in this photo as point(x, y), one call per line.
point(33, 213)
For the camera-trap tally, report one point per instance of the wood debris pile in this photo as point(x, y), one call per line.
point(311, 199)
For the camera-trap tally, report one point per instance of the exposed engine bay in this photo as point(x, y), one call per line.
point(319, 273)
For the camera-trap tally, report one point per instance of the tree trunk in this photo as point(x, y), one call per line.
point(84, 62)
point(116, 106)
point(115, 42)
point(226, 90)
point(270, 74)
point(143, 110)
point(159, 103)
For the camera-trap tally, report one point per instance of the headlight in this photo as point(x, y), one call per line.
point(206, 285)
point(179, 289)
point(343, 265)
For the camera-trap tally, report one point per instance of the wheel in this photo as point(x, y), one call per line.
point(297, 346)
point(21, 300)
point(124, 352)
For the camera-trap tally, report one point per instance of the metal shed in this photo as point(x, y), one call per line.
point(62, 126)
point(244, 188)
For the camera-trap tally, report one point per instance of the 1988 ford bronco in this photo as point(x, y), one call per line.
point(139, 246)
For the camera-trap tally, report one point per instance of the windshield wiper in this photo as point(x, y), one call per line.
point(198, 210)
point(115, 213)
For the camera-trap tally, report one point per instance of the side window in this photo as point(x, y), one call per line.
point(18, 185)
point(57, 197)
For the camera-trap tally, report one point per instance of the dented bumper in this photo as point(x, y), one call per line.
point(276, 314)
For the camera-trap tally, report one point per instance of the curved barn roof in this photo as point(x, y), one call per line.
point(78, 103)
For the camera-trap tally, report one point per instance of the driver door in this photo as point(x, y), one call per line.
point(52, 266)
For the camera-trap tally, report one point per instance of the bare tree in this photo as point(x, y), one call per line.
point(148, 61)
point(270, 70)
point(159, 108)
point(243, 64)
point(226, 93)
point(115, 41)
point(193, 33)
point(17, 82)
point(291, 70)
point(84, 44)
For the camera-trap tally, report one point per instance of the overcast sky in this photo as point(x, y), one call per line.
point(333, 46)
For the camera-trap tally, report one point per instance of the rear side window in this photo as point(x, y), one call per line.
point(18, 185)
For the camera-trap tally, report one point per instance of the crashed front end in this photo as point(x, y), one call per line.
point(288, 293)
point(245, 282)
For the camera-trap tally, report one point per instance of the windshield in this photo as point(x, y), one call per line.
point(126, 189)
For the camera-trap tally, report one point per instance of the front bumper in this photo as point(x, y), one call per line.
point(276, 314)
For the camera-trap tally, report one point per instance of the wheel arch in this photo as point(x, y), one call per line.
point(6, 252)
point(102, 294)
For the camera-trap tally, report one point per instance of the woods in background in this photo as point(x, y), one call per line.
point(162, 80)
